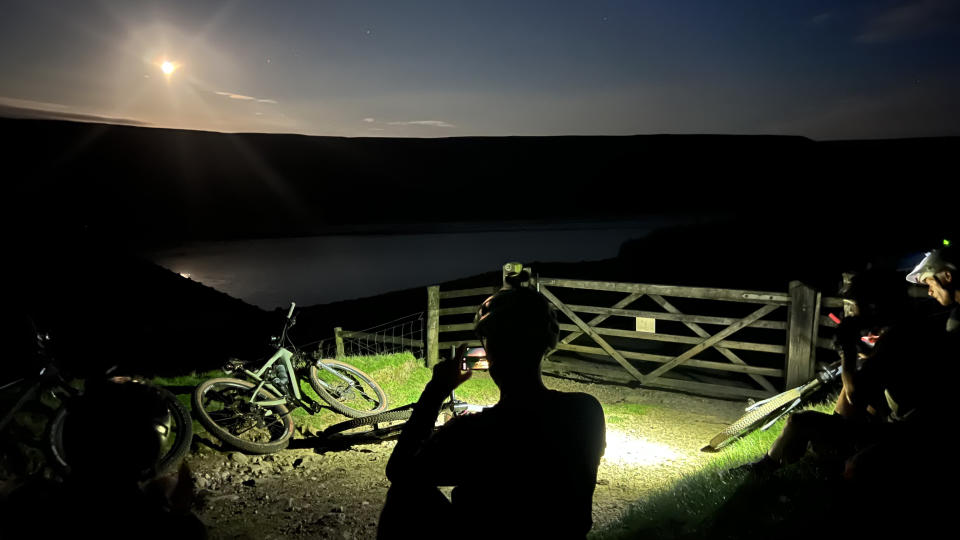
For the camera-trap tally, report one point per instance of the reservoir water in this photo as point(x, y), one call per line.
point(322, 269)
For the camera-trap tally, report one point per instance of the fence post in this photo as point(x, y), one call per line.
point(338, 337)
point(432, 355)
point(802, 323)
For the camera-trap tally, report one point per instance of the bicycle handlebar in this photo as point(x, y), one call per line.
point(290, 313)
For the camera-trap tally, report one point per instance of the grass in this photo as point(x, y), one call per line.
point(401, 376)
point(623, 413)
point(683, 511)
point(688, 508)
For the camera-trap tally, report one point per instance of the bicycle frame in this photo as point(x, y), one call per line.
point(24, 397)
point(288, 393)
point(36, 383)
point(286, 357)
point(282, 355)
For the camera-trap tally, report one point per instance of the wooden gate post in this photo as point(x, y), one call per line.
point(802, 323)
point(432, 355)
point(338, 338)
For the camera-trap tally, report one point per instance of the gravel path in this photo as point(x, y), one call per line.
point(309, 492)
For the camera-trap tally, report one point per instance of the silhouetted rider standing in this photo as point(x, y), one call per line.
point(526, 467)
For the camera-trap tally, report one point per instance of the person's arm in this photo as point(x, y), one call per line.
point(846, 345)
point(414, 457)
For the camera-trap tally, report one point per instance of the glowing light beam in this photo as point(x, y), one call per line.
point(625, 448)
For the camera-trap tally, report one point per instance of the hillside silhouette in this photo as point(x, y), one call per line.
point(86, 195)
point(140, 185)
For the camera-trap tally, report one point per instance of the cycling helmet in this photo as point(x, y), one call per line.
point(521, 315)
point(934, 262)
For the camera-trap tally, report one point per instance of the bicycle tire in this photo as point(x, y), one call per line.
point(353, 400)
point(402, 413)
point(375, 435)
point(173, 451)
point(753, 419)
point(241, 417)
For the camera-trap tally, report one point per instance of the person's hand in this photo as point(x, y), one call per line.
point(447, 375)
point(847, 333)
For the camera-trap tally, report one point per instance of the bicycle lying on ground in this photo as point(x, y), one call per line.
point(764, 414)
point(389, 423)
point(253, 414)
point(176, 429)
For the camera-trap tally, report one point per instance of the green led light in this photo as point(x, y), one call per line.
point(946, 243)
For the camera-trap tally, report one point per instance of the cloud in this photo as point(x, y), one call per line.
point(432, 123)
point(369, 120)
point(30, 104)
point(911, 19)
point(242, 97)
point(235, 96)
point(8, 111)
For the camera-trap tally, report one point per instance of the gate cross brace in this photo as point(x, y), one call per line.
point(697, 329)
point(589, 331)
point(626, 301)
point(710, 341)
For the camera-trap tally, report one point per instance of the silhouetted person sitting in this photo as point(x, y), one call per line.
point(875, 306)
point(525, 467)
point(112, 440)
point(889, 401)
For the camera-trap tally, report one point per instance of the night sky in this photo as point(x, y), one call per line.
point(821, 69)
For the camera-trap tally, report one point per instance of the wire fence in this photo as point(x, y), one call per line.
point(405, 334)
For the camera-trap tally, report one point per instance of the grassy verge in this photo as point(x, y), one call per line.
point(623, 413)
point(401, 376)
point(689, 508)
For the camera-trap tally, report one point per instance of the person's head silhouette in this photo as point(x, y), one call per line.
point(114, 432)
point(516, 326)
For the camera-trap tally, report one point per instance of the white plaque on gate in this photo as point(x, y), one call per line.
point(648, 325)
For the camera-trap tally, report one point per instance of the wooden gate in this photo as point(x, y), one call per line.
point(780, 353)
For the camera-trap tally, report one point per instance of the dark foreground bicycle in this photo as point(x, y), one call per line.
point(176, 428)
point(253, 414)
point(764, 414)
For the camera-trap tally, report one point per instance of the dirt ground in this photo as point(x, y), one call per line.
point(309, 491)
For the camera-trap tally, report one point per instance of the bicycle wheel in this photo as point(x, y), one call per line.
point(178, 437)
point(753, 419)
point(394, 415)
point(348, 390)
point(224, 407)
point(176, 431)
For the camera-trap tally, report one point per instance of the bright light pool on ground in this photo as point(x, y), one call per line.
point(629, 449)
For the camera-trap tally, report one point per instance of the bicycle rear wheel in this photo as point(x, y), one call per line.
point(224, 407)
point(348, 390)
point(753, 419)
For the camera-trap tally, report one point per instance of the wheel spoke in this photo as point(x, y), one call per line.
point(227, 405)
point(347, 389)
